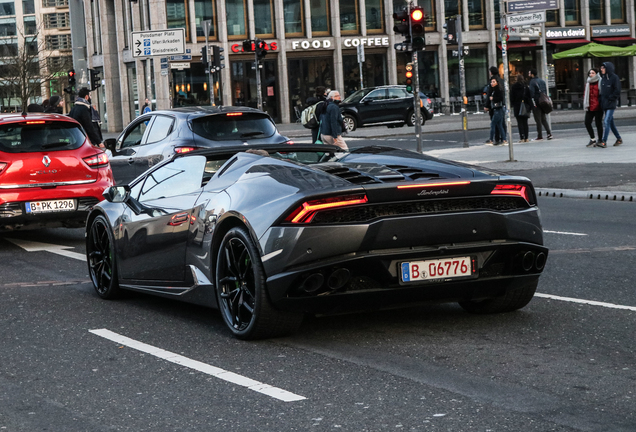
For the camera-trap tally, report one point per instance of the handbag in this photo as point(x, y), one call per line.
point(545, 103)
point(523, 110)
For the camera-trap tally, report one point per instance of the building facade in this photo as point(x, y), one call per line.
point(314, 43)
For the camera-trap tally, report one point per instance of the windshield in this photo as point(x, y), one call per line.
point(234, 126)
point(354, 98)
point(40, 136)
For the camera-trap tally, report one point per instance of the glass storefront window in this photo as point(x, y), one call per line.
point(476, 14)
point(133, 102)
point(374, 72)
point(263, 25)
point(177, 15)
point(374, 14)
point(453, 7)
point(304, 75)
point(428, 69)
point(572, 15)
point(319, 17)
point(235, 12)
point(617, 9)
point(349, 17)
point(597, 12)
point(244, 86)
point(190, 87)
point(203, 11)
point(293, 12)
point(476, 72)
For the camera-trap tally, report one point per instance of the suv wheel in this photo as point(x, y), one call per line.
point(411, 118)
point(349, 122)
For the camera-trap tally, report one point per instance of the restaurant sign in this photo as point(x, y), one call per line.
point(613, 30)
point(565, 32)
point(306, 44)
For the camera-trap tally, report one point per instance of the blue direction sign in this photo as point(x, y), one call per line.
point(531, 5)
point(181, 57)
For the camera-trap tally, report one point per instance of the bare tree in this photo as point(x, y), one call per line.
point(28, 64)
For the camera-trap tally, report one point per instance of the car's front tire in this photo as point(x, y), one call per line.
point(350, 122)
point(241, 291)
point(513, 299)
point(100, 254)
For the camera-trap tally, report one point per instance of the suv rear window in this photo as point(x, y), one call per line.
point(234, 126)
point(48, 136)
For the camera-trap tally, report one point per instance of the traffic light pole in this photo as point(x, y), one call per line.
point(206, 28)
point(462, 76)
point(504, 58)
point(416, 103)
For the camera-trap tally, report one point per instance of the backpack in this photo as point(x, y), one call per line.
point(308, 117)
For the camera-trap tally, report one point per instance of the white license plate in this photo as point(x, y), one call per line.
point(50, 206)
point(445, 268)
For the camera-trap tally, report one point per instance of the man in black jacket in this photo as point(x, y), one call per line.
point(82, 113)
point(610, 90)
point(494, 73)
point(538, 86)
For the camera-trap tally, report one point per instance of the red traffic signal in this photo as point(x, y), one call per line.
point(71, 73)
point(417, 15)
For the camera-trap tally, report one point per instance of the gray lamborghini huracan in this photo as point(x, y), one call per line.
point(269, 233)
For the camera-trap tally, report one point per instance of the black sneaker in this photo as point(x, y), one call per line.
point(488, 142)
point(618, 142)
point(601, 144)
point(538, 139)
point(549, 136)
point(592, 143)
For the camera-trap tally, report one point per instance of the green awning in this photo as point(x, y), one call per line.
point(595, 50)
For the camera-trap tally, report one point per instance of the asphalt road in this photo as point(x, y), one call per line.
point(560, 364)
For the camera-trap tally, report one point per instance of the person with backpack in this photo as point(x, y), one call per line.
point(537, 87)
point(315, 108)
point(331, 122)
point(520, 100)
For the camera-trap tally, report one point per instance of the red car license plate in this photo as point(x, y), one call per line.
point(445, 268)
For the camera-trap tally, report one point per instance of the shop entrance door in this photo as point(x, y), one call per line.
point(244, 86)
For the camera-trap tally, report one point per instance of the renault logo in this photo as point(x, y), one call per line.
point(46, 161)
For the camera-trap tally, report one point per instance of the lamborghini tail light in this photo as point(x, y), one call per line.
point(306, 212)
point(97, 161)
point(511, 189)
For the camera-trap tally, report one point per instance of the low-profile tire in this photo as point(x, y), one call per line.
point(242, 294)
point(410, 118)
point(350, 122)
point(100, 254)
point(514, 299)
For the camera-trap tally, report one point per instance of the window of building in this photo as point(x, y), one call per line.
point(476, 72)
point(374, 72)
point(59, 63)
point(9, 48)
point(572, 14)
point(7, 27)
point(31, 45)
point(597, 12)
point(28, 7)
point(58, 42)
point(50, 3)
point(263, 26)
point(177, 15)
point(235, 12)
point(30, 25)
point(293, 13)
point(497, 15)
point(552, 18)
point(57, 20)
point(453, 7)
point(7, 7)
point(617, 11)
point(476, 17)
point(319, 17)
point(375, 18)
point(203, 11)
point(349, 17)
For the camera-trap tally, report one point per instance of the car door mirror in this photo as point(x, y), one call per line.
point(117, 194)
point(110, 144)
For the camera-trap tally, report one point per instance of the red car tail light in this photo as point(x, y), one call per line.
point(3, 166)
point(35, 122)
point(511, 189)
point(234, 114)
point(305, 213)
point(181, 150)
point(290, 142)
point(97, 161)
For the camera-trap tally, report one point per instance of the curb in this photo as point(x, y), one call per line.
point(589, 194)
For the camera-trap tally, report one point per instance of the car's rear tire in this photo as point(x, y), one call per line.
point(350, 122)
point(514, 299)
point(242, 294)
point(100, 255)
point(410, 119)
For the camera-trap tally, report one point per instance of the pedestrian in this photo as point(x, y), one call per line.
point(610, 92)
point(494, 73)
point(33, 108)
point(82, 113)
point(520, 100)
point(592, 106)
point(538, 86)
point(45, 104)
point(496, 99)
point(147, 107)
point(319, 98)
point(55, 105)
point(97, 122)
point(332, 123)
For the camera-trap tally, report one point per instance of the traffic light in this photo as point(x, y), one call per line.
point(402, 24)
point(450, 31)
point(248, 46)
point(71, 77)
point(417, 28)
point(204, 57)
point(95, 79)
point(261, 48)
point(217, 58)
point(409, 77)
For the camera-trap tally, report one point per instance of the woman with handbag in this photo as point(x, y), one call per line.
point(520, 98)
point(592, 106)
point(497, 106)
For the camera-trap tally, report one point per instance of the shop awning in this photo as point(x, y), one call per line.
point(520, 45)
point(593, 50)
point(568, 41)
point(614, 39)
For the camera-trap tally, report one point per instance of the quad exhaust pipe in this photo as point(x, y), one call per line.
point(315, 281)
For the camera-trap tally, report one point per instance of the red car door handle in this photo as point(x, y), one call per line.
point(178, 219)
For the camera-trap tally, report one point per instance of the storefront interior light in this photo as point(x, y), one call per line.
point(182, 87)
point(205, 86)
point(188, 87)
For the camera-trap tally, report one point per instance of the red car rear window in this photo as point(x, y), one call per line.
point(50, 136)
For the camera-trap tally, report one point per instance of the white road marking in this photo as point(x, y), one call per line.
point(31, 246)
point(214, 371)
point(564, 233)
point(587, 302)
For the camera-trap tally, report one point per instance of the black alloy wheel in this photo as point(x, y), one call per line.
point(100, 254)
point(241, 291)
point(514, 299)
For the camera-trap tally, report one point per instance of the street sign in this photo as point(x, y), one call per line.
point(181, 65)
point(526, 19)
point(360, 50)
point(530, 32)
point(158, 42)
point(181, 57)
point(532, 5)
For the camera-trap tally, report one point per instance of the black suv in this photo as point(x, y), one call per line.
point(391, 104)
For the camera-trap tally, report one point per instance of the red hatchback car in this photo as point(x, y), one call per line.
point(50, 174)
